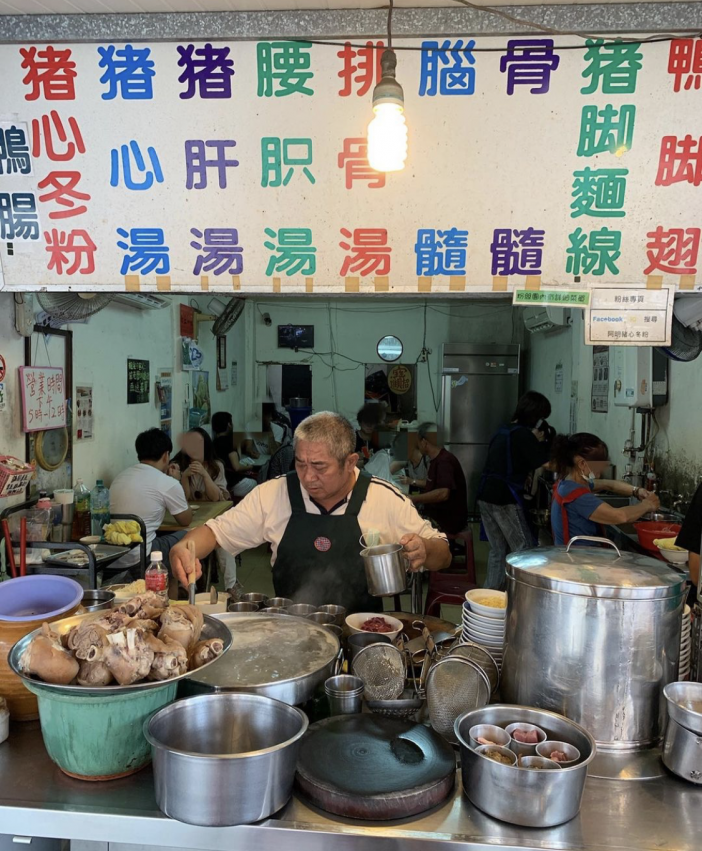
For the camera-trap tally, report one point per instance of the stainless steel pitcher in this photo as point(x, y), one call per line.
point(386, 569)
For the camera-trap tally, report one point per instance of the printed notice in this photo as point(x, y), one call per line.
point(557, 298)
point(629, 316)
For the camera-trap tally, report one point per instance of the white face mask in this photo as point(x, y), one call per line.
point(591, 479)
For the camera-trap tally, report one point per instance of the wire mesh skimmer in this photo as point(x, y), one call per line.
point(454, 686)
point(483, 657)
point(382, 669)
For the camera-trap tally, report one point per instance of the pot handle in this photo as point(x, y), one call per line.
point(594, 540)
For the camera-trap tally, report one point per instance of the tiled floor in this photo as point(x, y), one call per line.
point(255, 575)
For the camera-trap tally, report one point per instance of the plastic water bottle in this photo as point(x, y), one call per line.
point(156, 576)
point(99, 508)
point(81, 511)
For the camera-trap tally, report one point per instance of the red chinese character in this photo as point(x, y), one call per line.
point(680, 161)
point(64, 191)
point(370, 253)
point(46, 132)
point(685, 59)
point(674, 251)
point(75, 248)
point(354, 160)
point(365, 72)
point(50, 70)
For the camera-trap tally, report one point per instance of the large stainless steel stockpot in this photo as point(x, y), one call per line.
point(224, 759)
point(593, 634)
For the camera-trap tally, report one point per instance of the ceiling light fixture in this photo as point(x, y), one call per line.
point(387, 132)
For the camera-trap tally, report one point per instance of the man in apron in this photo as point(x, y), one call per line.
point(314, 517)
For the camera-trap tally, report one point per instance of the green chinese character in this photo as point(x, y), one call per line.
point(276, 153)
point(599, 192)
point(606, 130)
point(294, 252)
point(615, 65)
point(283, 68)
point(595, 253)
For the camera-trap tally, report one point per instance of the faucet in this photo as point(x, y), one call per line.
point(679, 500)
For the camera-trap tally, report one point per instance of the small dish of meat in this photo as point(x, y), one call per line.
point(374, 623)
point(561, 752)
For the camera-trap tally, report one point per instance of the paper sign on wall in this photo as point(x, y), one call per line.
point(629, 316)
point(84, 413)
point(599, 402)
point(138, 381)
point(43, 398)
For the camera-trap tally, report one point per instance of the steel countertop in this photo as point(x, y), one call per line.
point(36, 799)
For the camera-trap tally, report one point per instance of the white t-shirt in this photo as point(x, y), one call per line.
point(147, 492)
point(261, 517)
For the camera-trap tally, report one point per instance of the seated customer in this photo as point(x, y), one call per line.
point(202, 475)
point(238, 482)
point(275, 422)
point(444, 498)
point(369, 418)
point(149, 489)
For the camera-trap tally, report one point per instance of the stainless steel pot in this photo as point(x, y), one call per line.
point(684, 704)
point(224, 759)
point(298, 402)
point(682, 752)
point(302, 654)
point(594, 634)
point(95, 600)
point(521, 795)
point(386, 569)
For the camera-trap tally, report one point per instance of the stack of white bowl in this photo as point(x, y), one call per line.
point(484, 624)
point(685, 645)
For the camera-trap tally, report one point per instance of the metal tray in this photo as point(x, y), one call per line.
point(212, 628)
point(101, 552)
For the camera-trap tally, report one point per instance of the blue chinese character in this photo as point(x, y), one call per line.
point(147, 251)
point(447, 70)
point(154, 173)
point(128, 69)
point(517, 252)
point(196, 164)
point(18, 216)
point(442, 252)
point(14, 151)
point(529, 62)
point(221, 251)
point(207, 69)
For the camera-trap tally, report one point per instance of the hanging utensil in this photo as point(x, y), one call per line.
point(427, 660)
point(454, 686)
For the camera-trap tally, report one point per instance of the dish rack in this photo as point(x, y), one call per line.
point(696, 656)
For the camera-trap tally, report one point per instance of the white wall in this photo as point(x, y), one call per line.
point(352, 328)
point(100, 352)
point(678, 447)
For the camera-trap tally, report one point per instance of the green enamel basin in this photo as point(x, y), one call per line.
point(98, 737)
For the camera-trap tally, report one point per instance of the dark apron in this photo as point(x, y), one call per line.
point(319, 556)
point(508, 480)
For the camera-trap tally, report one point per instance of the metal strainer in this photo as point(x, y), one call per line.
point(454, 686)
point(382, 669)
point(480, 655)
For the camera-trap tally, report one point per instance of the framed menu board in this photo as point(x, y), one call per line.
point(138, 381)
point(43, 398)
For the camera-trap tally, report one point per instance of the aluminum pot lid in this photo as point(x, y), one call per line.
point(269, 649)
point(591, 571)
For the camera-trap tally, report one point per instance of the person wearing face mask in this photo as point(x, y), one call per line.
point(580, 459)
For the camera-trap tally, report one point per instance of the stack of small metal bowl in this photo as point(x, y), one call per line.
point(329, 616)
point(524, 787)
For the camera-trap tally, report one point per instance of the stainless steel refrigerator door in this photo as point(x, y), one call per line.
point(473, 407)
point(472, 457)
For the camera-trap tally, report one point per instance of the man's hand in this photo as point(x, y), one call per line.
point(404, 480)
point(174, 472)
point(415, 551)
point(183, 563)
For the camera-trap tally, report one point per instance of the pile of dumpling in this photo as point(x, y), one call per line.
point(141, 639)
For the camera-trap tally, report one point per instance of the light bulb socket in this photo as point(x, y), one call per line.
point(388, 90)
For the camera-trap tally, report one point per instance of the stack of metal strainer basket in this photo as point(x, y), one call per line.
point(455, 685)
point(382, 669)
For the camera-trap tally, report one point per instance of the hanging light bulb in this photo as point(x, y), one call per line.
point(387, 132)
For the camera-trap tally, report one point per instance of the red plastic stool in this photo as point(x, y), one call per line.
point(449, 586)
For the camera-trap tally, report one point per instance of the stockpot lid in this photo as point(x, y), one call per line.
point(602, 572)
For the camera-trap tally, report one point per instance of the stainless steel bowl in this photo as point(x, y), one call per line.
point(519, 795)
point(97, 600)
point(359, 640)
point(483, 750)
point(321, 617)
point(682, 752)
point(545, 749)
point(242, 607)
point(224, 759)
point(273, 610)
point(538, 763)
point(685, 704)
point(279, 602)
point(522, 748)
point(253, 597)
point(337, 612)
point(212, 628)
point(301, 610)
point(497, 735)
